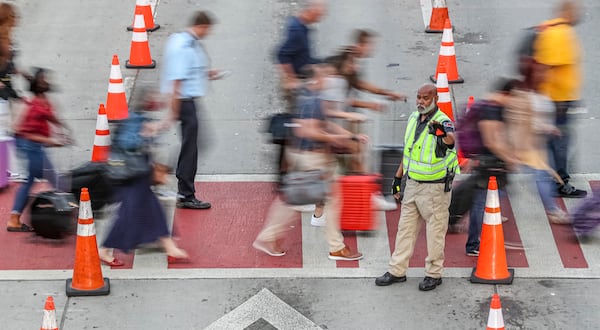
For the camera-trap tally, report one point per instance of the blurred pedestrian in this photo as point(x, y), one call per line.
point(528, 125)
point(185, 80)
point(310, 151)
point(33, 134)
point(558, 47)
point(495, 158)
point(140, 218)
point(363, 46)
point(430, 162)
point(294, 54)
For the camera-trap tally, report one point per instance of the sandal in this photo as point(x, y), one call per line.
point(21, 229)
point(114, 263)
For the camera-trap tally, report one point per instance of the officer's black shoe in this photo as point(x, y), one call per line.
point(387, 279)
point(429, 283)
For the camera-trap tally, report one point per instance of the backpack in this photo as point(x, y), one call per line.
point(525, 47)
point(468, 137)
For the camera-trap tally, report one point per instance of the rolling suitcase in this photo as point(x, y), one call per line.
point(91, 175)
point(53, 214)
point(356, 210)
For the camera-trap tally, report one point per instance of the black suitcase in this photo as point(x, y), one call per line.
point(54, 214)
point(92, 176)
point(390, 159)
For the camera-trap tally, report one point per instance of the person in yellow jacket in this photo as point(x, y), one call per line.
point(430, 163)
point(557, 47)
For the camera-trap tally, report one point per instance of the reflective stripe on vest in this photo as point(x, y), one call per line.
point(421, 162)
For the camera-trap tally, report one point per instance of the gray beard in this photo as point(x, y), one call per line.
point(426, 110)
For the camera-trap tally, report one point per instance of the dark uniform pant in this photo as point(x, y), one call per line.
point(187, 164)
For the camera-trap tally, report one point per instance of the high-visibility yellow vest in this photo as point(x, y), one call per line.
point(419, 160)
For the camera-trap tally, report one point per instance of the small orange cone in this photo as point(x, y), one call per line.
point(49, 320)
point(491, 263)
point(447, 56)
point(444, 102)
point(495, 319)
point(116, 101)
point(439, 15)
point(87, 274)
point(102, 138)
point(139, 54)
point(146, 9)
point(470, 102)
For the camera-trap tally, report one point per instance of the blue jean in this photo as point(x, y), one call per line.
point(476, 219)
point(545, 187)
point(558, 146)
point(38, 164)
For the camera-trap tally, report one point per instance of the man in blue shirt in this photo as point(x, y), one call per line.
point(293, 55)
point(185, 79)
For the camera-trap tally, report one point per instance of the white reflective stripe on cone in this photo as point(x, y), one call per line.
point(495, 320)
point(116, 88)
point(86, 230)
point(115, 72)
point(102, 140)
point(85, 210)
point(139, 37)
point(447, 50)
point(444, 97)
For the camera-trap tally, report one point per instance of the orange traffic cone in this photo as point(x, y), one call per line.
point(491, 263)
point(102, 138)
point(139, 54)
point(470, 102)
point(116, 101)
point(87, 273)
point(448, 56)
point(495, 320)
point(439, 15)
point(49, 320)
point(444, 102)
point(146, 9)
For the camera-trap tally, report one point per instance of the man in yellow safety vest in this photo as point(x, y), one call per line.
point(430, 163)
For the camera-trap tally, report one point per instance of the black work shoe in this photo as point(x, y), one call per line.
point(568, 191)
point(387, 279)
point(192, 204)
point(429, 283)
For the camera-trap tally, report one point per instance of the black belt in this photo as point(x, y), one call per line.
point(188, 99)
point(443, 180)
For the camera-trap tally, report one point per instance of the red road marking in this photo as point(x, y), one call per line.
point(22, 251)
point(222, 236)
point(455, 242)
point(567, 244)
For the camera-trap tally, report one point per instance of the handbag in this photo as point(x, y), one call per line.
point(304, 187)
point(124, 166)
point(280, 127)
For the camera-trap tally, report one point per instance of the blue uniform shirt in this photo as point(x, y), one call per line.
point(185, 60)
point(295, 50)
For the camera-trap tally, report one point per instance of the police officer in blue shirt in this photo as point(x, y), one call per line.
point(185, 79)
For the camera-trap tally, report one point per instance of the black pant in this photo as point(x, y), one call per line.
point(187, 164)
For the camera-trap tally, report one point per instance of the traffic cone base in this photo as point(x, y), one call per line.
point(103, 291)
point(460, 80)
point(477, 280)
point(149, 66)
point(156, 27)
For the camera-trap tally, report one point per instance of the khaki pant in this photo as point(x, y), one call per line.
point(423, 202)
point(280, 215)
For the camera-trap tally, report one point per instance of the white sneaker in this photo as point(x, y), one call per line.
point(559, 217)
point(318, 222)
point(304, 208)
point(381, 204)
